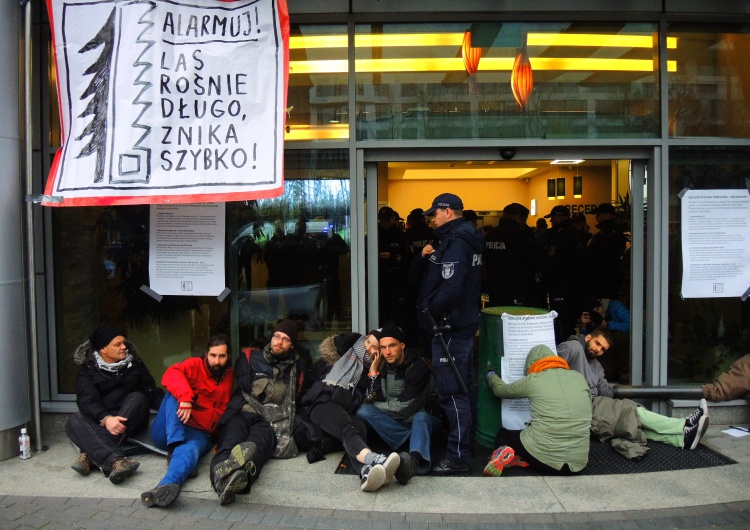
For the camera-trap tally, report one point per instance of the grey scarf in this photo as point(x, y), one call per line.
point(347, 370)
point(112, 367)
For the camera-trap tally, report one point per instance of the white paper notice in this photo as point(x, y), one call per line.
point(186, 249)
point(715, 243)
point(520, 334)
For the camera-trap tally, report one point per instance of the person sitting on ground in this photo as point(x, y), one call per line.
point(267, 390)
point(402, 382)
point(114, 392)
point(339, 383)
point(581, 354)
point(732, 384)
point(556, 440)
point(198, 391)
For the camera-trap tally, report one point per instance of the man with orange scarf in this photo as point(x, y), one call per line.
point(556, 440)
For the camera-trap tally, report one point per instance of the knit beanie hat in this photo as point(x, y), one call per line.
point(392, 330)
point(289, 327)
point(102, 336)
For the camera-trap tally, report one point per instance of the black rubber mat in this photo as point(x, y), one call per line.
point(603, 460)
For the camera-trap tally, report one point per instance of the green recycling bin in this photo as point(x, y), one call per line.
point(489, 420)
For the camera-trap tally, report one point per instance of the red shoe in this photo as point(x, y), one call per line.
point(501, 457)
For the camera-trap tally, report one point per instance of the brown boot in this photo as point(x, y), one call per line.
point(122, 468)
point(83, 464)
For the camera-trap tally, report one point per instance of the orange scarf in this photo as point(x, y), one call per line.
point(547, 363)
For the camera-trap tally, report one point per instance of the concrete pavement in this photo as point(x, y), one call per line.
point(43, 492)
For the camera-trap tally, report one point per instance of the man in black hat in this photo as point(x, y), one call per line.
point(561, 265)
point(603, 256)
point(268, 382)
point(114, 392)
point(395, 409)
point(391, 271)
point(509, 261)
point(449, 295)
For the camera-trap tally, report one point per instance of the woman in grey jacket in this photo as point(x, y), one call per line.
point(556, 440)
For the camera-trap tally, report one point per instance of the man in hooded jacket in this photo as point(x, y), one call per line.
point(449, 294)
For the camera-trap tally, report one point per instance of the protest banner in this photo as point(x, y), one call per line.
point(169, 101)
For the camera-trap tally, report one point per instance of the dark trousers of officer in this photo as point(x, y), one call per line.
point(336, 422)
point(458, 407)
point(97, 442)
point(245, 427)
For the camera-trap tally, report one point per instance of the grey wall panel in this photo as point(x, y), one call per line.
point(715, 7)
point(14, 383)
point(11, 211)
point(503, 6)
point(9, 68)
point(300, 7)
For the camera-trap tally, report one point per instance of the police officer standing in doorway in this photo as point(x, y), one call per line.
point(449, 296)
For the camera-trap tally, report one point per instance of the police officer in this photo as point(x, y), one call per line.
point(449, 293)
point(509, 261)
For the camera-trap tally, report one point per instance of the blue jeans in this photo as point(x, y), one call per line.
point(187, 444)
point(395, 432)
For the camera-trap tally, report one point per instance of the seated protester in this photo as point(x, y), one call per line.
point(339, 382)
point(257, 424)
point(198, 392)
point(114, 392)
point(732, 384)
point(556, 440)
point(581, 354)
point(395, 406)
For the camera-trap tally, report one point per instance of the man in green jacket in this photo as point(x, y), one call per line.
point(556, 440)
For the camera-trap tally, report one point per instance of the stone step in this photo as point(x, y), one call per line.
point(721, 412)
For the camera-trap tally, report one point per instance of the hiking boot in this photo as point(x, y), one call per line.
point(695, 417)
point(501, 457)
point(241, 457)
point(83, 464)
point(448, 467)
point(694, 434)
point(372, 477)
point(193, 473)
point(162, 495)
point(122, 468)
point(230, 486)
point(406, 469)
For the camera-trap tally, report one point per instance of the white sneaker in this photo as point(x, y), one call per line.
point(372, 477)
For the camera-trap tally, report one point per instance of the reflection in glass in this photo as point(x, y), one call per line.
point(589, 81)
point(705, 334)
point(710, 91)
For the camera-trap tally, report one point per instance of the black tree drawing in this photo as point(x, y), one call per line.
point(99, 89)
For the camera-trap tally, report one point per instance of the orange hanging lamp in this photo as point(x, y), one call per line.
point(471, 57)
point(522, 78)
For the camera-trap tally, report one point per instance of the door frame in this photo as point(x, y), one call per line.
point(645, 160)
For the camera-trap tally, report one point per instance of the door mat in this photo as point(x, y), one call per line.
point(603, 460)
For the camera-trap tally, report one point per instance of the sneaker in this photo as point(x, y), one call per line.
point(695, 417)
point(162, 495)
point(517, 462)
point(83, 464)
point(406, 469)
point(448, 467)
point(501, 457)
point(241, 457)
point(372, 477)
point(122, 468)
point(228, 487)
point(694, 434)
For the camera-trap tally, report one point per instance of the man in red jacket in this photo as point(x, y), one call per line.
point(198, 391)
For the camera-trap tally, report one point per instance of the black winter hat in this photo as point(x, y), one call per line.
point(345, 341)
point(102, 336)
point(392, 330)
point(289, 327)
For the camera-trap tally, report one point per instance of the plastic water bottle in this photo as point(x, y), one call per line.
point(24, 445)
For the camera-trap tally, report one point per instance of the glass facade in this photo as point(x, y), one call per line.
point(709, 91)
point(423, 81)
point(705, 334)
point(431, 83)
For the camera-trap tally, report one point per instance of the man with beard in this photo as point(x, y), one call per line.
point(198, 391)
point(612, 416)
point(449, 295)
point(268, 383)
